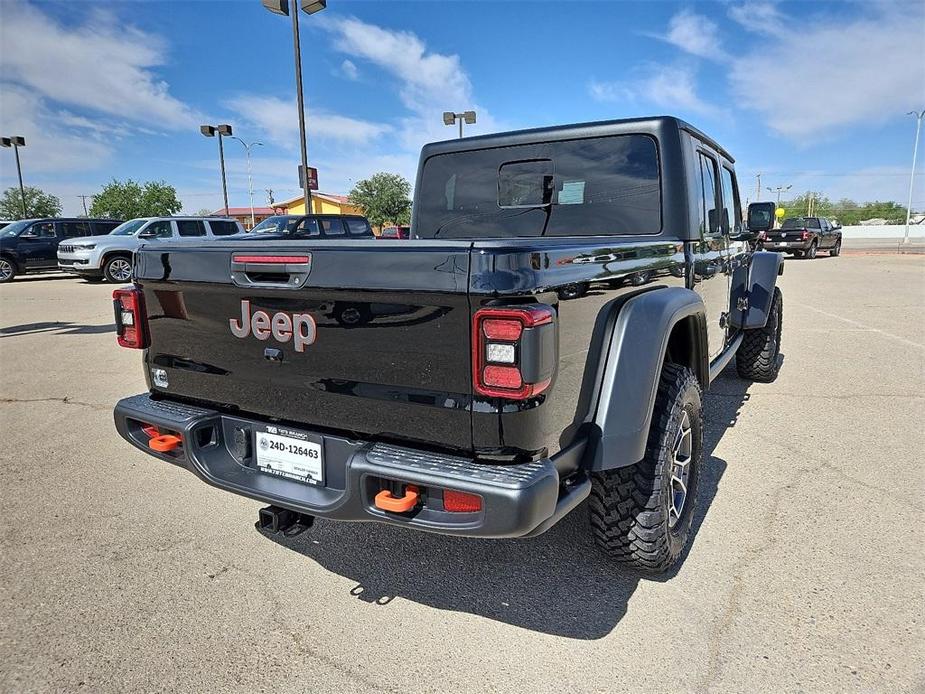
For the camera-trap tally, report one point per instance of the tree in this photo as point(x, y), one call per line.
point(845, 211)
point(130, 199)
point(38, 204)
point(383, 197)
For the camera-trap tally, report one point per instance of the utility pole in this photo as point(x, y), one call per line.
point(84, 200)
point(919, 115)
point(758, 187)
point(270, 199)
point(250, 182)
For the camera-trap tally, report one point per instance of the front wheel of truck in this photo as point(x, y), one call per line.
point(641, 515)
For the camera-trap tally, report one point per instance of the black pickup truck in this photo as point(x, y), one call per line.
point(473, 400)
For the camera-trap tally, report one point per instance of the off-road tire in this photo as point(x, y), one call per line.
point(836, 249)
point(109, 269)
point(757, 358)
point(813, 248)
point(8, 270)
point(629, 506)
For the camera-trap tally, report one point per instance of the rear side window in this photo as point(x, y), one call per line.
point(307, 227)
point(732, 214)
point(191, 227)
point(73, 229)
point(332, 227)
point(709, 195)
point(101, 228)
point(222, 227)
point(593, 187)
point(358, 227)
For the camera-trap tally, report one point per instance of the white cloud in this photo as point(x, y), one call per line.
point(759, 17)
point(672, 87)
point(830, 75)
point(349, 70)
point(101, 66)
point(278, 120)
point(694, 34)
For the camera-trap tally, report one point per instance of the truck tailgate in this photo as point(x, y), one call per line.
point(389, 356)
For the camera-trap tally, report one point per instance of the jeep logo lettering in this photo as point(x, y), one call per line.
point(298, 327)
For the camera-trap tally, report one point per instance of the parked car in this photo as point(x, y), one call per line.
point(402, 231)
point(801, 236)
point(5, 223)
point(316, 226)
point(468, 399)
point(109, 256)
point(30, 245)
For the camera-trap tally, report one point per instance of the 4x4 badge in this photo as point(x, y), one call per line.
point(300, 328)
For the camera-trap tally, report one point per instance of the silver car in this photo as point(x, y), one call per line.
point(109, 257)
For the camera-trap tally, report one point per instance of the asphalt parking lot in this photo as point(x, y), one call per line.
point(807, 570)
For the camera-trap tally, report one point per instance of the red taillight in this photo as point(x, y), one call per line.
point(804, 235)
point(461, 502)
point(513, 351)
point(131, 322)
point(272, 259)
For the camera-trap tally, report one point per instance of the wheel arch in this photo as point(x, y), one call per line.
point(650, 328)
point(14, 259)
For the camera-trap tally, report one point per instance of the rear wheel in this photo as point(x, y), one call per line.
point(573, 291)
point(811, 253)
point(118, 269)
point(641, 514)
point(7, 270)
point(757, 358)
point(836, 249)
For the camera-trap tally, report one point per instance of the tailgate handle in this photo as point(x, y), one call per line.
point(282, 271)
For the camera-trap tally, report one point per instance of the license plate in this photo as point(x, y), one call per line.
point(289, 453)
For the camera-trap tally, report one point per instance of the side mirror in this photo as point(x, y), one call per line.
point(761, 216)
point(148, 234)
point(744, 235)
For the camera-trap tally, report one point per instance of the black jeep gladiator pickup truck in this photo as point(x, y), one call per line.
point(473, 400)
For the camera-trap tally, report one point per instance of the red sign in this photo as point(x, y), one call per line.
point(312, 178)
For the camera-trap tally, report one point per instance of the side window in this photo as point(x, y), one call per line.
point(732, 213)
point(191, 227)
point(709, 219)
point(308, 227)
point(161, 230)
point(223, 227)
point(332, 227)
point(358, 226)
point(70, 230)
point(42, 230)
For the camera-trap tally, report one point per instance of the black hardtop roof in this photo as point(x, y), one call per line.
point(654, 125)
point(70, 219)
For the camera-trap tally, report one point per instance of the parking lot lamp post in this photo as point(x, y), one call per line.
point(779, 190)
point(309, 7)
point(250, 182)
point(915, 151)
point(450, 117)
point(221, 130)
point(16, 142)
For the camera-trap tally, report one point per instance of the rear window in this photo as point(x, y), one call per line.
point(102, 228)
point(190, 227)
point(800, 223)
point(74, 229)
point(593, 187)
point(223, 227)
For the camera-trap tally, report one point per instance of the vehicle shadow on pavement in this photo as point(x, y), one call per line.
point(59, 327)
point(558, 583)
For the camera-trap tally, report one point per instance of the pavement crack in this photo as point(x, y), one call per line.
point(66, 400)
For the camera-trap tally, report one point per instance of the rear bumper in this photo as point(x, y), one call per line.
point(517, 500)
point(786, 245)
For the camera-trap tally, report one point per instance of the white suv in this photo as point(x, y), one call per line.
point(110, 256)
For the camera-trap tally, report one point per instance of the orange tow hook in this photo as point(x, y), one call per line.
point(164, 443)
point(395, 504)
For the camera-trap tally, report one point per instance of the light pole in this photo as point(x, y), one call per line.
point(210, 131)
point(309, 7)
point(449, 117)
point(16, 142)
point(779, 190)
point(915, 151)
point(250, 183)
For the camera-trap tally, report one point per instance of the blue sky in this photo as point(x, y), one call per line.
point(810, 94)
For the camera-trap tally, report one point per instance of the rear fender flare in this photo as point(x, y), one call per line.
point(633, 366)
